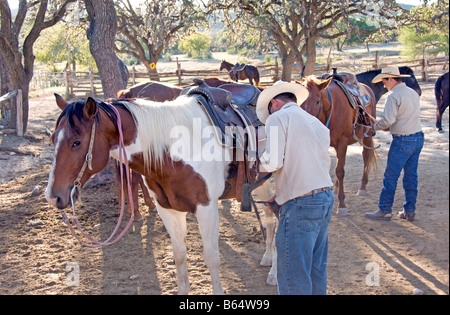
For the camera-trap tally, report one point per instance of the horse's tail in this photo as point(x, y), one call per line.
point(372, 157)
point(257, 77)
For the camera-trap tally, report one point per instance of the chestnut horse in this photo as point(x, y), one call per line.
point(241, 72)
point(155, 91)
point(339, 116)
point(158, 144)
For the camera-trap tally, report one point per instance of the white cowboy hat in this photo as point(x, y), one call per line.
point(277, 88)
point(389, 72)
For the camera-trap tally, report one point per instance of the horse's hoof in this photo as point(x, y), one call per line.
point(362, 193)
point(266, 261)
point(271, 280)
point(342, 212)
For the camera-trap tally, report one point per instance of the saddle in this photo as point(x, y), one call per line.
point(230, 108)
point(350, 86)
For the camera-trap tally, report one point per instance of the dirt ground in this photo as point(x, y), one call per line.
point(38, 255)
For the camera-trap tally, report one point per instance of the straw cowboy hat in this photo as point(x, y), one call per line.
point(389, 72)
point(277, 88)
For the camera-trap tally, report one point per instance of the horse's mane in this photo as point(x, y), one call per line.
point(311, 78)
point(155, 122)
point(75, 109)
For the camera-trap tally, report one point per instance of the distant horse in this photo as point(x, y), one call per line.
point(181, 181)
point(442, 99)
point(241, 72)
point(379, 89)
point(330, 105)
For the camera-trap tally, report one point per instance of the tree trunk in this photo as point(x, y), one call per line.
point(287, 61)
point(101, 35)
point(310, 56)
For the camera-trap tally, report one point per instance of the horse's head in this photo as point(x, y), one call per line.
point(222, 65)
point(315, 87)
point(77, 134)
point(411, 81)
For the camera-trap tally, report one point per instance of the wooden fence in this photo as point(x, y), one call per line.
point(88, 83)
point(14, 97)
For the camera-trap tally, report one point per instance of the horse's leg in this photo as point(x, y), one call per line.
point(341, 152)
point(135, 179)
point(175, 223)
point(439, 113)
point(147, 198)
point(249, 76)
point(368, 159)
point(270, 256)
point(208, 221)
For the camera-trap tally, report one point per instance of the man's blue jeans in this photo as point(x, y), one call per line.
point(403, 155)
point(302, 244)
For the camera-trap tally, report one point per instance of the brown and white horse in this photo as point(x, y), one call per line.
point(172, 144)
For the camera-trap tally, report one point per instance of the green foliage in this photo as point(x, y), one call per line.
point(56, 44)
point(418, 39)
point(429, 31)
point(196, 46)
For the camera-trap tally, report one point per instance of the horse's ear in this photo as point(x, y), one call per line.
point(90, 108)
point(324, 84)
point(62, 104)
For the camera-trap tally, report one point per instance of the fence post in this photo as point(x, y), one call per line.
point(179, 72)
point(377, 61)
point(424, 66)
point(133, 75)
point(19, 114)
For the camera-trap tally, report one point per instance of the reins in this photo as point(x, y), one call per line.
point(77, 189)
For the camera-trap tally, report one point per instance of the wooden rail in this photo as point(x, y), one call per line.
point(17, 95)
point(88, 83)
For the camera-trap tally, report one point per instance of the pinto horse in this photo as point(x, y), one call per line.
point(442, 98)
point(339, 116)
point(241, 72)
point(158, 141)
point(379, 89)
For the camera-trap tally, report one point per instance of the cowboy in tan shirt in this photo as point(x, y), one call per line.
point(401, 117)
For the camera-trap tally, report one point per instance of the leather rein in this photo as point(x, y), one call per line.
point(76, 190)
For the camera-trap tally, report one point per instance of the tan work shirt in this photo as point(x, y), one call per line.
point(297, 151)
point(401, 111)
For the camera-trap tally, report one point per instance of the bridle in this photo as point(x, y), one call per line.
point(319, 102)
point(76, 190)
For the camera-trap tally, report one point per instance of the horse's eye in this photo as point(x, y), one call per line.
point(76, 144)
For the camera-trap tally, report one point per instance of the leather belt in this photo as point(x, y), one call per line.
point(316, 191)
point(420, 133)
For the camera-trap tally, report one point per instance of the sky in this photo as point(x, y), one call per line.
point(15, 3)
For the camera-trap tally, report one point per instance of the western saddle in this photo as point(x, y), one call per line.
point(350, 86)
point(230, 108)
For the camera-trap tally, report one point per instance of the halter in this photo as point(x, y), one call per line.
point(76, 190)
